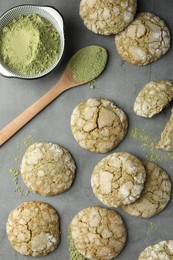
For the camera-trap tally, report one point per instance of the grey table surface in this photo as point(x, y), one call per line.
point(120, 82)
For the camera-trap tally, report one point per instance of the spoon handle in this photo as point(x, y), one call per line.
point(15, 125)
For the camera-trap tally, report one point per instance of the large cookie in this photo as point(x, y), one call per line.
point(160, 251)
point(107, 16)
point(33, 228)
point(118, 179)
point(153, 98)
point(47, 169)
point(98, 233)
point(145, 40)
point(98, 125)
point(155, 195)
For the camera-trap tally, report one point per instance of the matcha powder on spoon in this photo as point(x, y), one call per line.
point(88, 63)
point(29, 44)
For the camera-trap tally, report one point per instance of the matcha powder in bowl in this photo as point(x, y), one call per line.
point(30, 45)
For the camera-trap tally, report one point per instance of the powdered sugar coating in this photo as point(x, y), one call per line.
point(98, 233)
point(107, 16)
point(98, 125)
point(155, 195)
point(153, 98)
point(33, 228)
point(118, 179)
point(160, 251)
point(145, 40)
point(48, 169)
point(166, 139)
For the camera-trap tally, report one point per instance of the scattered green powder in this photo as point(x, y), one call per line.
point(152, 225)
point(27, 140)
point(88, 63)
point(92, 84)
point(29, 44)
point(15, 171)
point(148, 144)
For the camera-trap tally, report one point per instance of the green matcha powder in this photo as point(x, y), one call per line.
point(88, 63)
point(29, 45)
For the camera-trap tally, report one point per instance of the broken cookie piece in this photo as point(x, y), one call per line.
point(98, 233)
point(33, 228)
point(162, 250)
point(98, 125)
point(107, 16)
point(155, 195)
point(118, 179)
point(48, 169)
point(153, 98)
point(145, 40)
point(166, 140)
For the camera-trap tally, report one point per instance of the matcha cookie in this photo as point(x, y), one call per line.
point(98, 233)
point(107, 17)
point(155, 195)
point(145, 40)
point(47, 169)
point(118, 179)
point(98, 125)
point(153, 98)
point(166, 140)
point(33, 228)
point(160, 251)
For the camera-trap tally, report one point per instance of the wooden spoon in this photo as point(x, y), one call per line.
point(66, 82)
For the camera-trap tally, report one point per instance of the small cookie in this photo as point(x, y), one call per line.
point(107, 16)
point(98, 125)
point(33, 228)
point(118, 179)
point(166, 140)
point(160, 251)
point(145, 40)
point(98, 233)
point(47, 169)
point(155, 195)
point(153, 98)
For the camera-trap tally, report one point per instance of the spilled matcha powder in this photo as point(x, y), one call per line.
point(29, 45)
point(15, 170)
point(88, 63)
point(148, 145)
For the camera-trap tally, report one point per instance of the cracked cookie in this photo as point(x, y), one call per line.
point(166, 139)
point(98, 125)
point(118, 179)
point(107, 16)
point(33, 228)
point(98, 233)
point(155, 195)
point(162, 250)
point(153, 98)
point(47, 169)
point(145, 40)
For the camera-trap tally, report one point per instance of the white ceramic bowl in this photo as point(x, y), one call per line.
point(46, 12)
